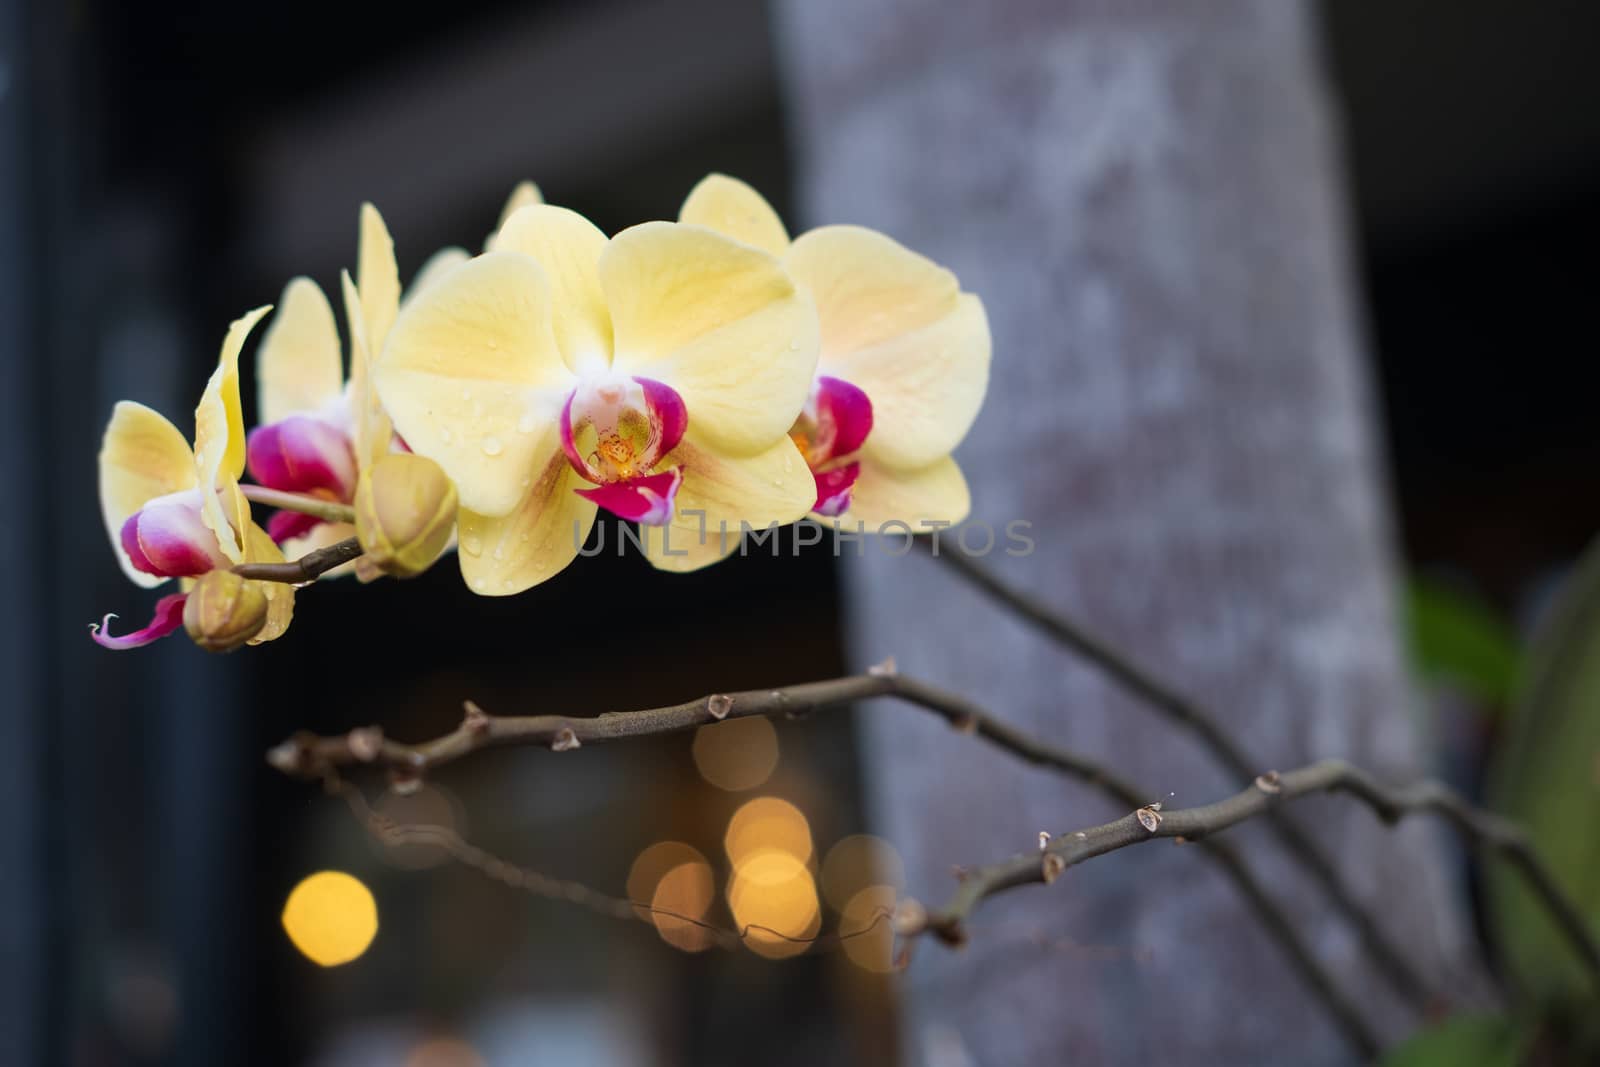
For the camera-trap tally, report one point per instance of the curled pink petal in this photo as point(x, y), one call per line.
point(669, 418)
point(168, 537)
point(570, 446)
point(285, 525)
point(647, 501)
point(302, 454)
point(167, 618)
point(833, 489)
point(844, 419)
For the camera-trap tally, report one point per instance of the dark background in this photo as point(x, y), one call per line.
point(165, 167)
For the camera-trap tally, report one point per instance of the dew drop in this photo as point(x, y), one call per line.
point(493, 344)
point(507, 584)
point(491, 445)
point(480, 583)
point(527, 423)
point(472, 546)
point(523, 536)
point(499, 553)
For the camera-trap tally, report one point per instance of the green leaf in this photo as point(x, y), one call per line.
point(1546, 776)
point(1457, 639)
point(1463, 1041)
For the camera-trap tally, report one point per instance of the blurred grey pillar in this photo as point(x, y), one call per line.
point(1148, 197)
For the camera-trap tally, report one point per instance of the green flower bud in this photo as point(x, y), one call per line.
point(224, 611)
point(405, 513)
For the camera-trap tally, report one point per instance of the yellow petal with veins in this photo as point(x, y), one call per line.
point(773, 487)
point(731, 207)
point(936, 493)
point(373, 428)
point(474, 379)
point(219, 445)
point(568, 247)
point(280, 595)
point(526, 194)
point(377, 278)
point(926, 385)
point(535, 542)
point(143, 456)
point(717, 320)
point(297, 364)
point(437, 266)
point(868, 287)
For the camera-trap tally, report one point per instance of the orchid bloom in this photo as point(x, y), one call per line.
point(902, 370)
point(655, 374)
point(309, 437)
point(176, 512)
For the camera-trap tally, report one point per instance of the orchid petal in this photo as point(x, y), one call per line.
point(377, 279)
point(926, 386)
point(535, 542)
point(526, 194)
point(717, 320)
point(169, 537)
point(287, 527)
point(773, 487)
point(868, 288)
point(920, 498)
point(373, 429)
point(844, 418)
point(833, 489)
point(669, 418)
point(437, 266)
point(302, 454)
point(733, 208)
point(280, 595)
point(297, 363)
point(219, 442)
point(647, 500)
point(142, 457)
point(568, 247)
point(167, 617)
point(474, 380)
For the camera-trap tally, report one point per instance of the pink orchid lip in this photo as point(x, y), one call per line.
point(842, 414)
point(638, 497)
point(286, 525)
point(648, 501)
point(833, 489)
point(169, 539)
point(167, 617)
point(303, 454)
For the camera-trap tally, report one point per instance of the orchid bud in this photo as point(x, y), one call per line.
point(405, 513)
point(224, 611)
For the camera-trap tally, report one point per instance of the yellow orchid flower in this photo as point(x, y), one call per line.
point(903, 366)
point(317, 432)
point(655, 374)
point(176, 512)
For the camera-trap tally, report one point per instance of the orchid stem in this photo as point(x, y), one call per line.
point(331, 510)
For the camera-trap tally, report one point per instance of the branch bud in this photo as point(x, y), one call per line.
point(405, 512)
point(224, 611)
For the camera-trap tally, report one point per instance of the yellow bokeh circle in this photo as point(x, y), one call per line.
point(331, 917)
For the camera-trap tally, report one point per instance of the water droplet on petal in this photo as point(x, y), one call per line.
point(493, 344)
point(499, 553)
point(527, 423)
point(491, 445)
point(508, 584)
point(480, 583)
point(471, 545)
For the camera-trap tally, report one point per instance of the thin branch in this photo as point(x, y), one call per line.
point(1484, 829)
point(1206, 726)
point(331, 510)
point(305, 569)
point(310, 756)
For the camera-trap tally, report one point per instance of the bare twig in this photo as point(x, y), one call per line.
point(310, 756)
point(305, 569)
point(1208, 728)
point(1483, 829)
